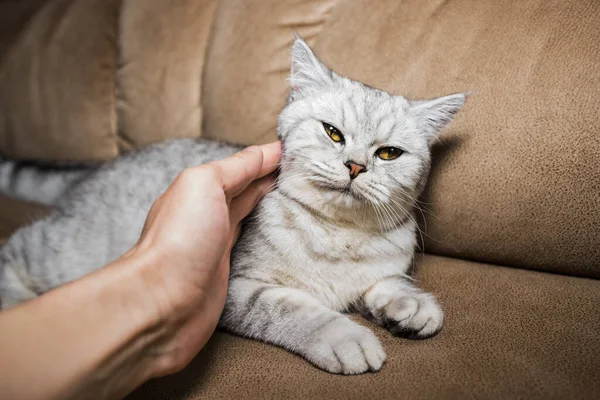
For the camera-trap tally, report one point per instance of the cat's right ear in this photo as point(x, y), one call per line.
point(308, 75)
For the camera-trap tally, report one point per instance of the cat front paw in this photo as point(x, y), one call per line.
point(345, 347)
point(413, 316)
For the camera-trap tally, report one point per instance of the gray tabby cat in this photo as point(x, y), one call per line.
point(337, 233)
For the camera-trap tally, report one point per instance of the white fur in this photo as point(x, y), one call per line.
point(322, 243)
point(325, 242)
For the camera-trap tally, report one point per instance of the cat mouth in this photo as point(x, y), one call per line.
point(346, 190)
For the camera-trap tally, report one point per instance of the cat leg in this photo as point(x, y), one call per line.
point(34, 261)
point(296, 321)
point(403, 308)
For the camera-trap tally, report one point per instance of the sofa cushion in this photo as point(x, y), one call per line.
point(162, 49)
point(14, 15)
point(58, 80)
point(84, 80)
point(517, 180)
point(508, 334)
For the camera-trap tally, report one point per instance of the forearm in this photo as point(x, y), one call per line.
point(88, 339)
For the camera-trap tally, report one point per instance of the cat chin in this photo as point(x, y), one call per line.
point(343, 195)
point(326, 195)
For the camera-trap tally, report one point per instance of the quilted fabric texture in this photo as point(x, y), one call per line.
point(517, 178)
point(83, 80)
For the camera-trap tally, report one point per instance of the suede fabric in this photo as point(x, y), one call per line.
point(85, 80)
point(248, 63)
point(58, 81)
point(516, 180)
point(517, 177)
point(161, 61)
point(509, 334)
point(14, 15)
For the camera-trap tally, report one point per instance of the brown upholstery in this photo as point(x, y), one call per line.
point(518, 183)
point(161, 61)
point(83, 80)
point(56, 103)
point(14, 15)
point(509, 334)
point(516, 180)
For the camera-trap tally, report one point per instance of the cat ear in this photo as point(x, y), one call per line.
point(308, 75)
point(434, 115)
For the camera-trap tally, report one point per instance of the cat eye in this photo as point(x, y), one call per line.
point(389, 153)
point(333, 133)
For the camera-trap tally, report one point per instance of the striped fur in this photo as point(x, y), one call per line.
point(38, 184)
point(322, 243)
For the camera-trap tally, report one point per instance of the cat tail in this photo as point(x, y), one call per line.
point(38, 184)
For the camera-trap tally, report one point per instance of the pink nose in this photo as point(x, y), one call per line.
point(354, 168)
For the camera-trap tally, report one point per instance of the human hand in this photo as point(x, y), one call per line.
point(148, 313)
point(187, 240)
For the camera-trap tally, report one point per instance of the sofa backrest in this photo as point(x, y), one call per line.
point(516, 180)
point(84, 80)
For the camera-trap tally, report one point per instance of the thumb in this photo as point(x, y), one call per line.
point(245, 202)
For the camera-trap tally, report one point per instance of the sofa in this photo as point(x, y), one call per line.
point(511, 213)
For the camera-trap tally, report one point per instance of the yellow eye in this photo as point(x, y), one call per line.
point(333, 133)
point(389, 153)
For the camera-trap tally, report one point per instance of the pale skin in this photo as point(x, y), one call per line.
point(150, 312)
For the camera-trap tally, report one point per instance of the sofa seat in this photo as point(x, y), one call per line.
point(509, 334)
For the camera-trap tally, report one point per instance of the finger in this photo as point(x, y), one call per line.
point(271, 157)
point(239, 170)
point(243, 204)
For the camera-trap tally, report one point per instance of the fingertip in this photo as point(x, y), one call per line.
point(258, 161)
point(271, 157)
point(272, 147)
point(238, 171)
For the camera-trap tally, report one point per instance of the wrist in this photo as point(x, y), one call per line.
point(100, 330)
point(160, 308)
point(129, 329)
point(147, 309)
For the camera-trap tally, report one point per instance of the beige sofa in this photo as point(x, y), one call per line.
point(513, 203)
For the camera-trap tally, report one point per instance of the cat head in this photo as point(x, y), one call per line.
point(348, 146)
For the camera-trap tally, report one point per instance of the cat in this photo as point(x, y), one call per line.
point(337, 233)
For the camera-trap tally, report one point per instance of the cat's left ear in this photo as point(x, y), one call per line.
point(433, 116)
point(308, 75)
